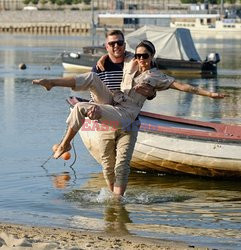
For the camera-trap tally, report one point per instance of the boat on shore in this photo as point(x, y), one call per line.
point(175, 145)
point(176, 53)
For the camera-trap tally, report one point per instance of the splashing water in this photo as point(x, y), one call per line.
point(105, 196)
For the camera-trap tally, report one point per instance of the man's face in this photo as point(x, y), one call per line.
point(115, 46)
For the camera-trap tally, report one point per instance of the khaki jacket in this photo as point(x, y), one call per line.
point(128, 97)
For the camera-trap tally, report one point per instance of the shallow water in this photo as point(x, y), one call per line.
point(196, 210)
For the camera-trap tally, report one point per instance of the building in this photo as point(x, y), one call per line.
point(11, 4)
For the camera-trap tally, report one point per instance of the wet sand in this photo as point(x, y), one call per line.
point(13, 236)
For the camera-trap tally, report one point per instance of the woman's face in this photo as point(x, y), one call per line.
point(143, 57)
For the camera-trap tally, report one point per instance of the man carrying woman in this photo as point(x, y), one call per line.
point(123, 106)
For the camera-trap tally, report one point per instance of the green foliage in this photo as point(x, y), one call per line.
point(189, 1)
point(59, 2)
point(68, 2)
point(87, 1)
point(209, 1)
point(26, 2)
point(43, 2)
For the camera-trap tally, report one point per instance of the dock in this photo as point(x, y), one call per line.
point(45, 28)
point(45, 22)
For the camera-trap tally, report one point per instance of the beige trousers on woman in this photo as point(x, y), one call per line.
point(116, 144)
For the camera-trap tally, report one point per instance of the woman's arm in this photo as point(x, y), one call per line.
point(196, 90)
point(48, 84)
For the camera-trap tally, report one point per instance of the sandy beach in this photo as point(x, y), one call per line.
point(22, 237)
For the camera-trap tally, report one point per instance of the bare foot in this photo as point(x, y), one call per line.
point(46, 83)
point(61, 149)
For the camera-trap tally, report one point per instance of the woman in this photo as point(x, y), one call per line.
point(118, 109)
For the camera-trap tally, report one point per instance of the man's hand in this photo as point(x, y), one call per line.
point(47, 84)
point(145, 90)
point(101, 62)
point(94, 112)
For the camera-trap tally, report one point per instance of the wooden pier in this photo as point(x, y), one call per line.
point(45, 28)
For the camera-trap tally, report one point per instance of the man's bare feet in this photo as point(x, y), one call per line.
point(61, 149)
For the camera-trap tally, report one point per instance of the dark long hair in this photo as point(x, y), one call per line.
point(148, 45)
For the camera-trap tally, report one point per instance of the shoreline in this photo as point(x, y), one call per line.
point(18, 236)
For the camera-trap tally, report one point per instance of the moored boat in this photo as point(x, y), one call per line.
point(226, 28)
point(181, 146)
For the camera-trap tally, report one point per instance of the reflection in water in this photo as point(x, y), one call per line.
point(116, 216)
point(61, 181)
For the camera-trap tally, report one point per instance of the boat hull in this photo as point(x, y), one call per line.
point(180, 146)
point(182, 67)
point(186, 155)
point(81, 63)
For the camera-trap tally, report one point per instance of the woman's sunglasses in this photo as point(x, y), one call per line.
point(143, 56)
point(113, 43)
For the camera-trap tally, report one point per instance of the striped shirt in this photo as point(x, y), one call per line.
point(112, 76)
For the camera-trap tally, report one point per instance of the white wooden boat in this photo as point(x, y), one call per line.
point(181, 146)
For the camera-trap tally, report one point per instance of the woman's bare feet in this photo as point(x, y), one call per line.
point(46, 83)
point(61, 149)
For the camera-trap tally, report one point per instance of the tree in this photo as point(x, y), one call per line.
point(35, 2)
point(189, 1)
point(68, 2)
point(59, 2)
point(26, 2)
point(43, 2)
point(87, 1)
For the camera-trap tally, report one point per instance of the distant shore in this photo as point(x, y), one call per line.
point(46, 22)
point(32, 237)
point(61, 17)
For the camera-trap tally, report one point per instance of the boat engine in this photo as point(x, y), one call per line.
point(213, 58)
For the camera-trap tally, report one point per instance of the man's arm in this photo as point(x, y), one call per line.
point(146, 90)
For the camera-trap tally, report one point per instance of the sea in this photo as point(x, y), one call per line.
point(40, 191)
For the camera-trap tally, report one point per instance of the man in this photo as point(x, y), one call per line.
point(116, 147)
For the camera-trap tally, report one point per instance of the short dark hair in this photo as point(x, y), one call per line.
point(148, 45)
point(115, 33)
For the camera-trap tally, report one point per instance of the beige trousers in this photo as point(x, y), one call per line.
point(103, 97)
point(116, 145)
point(116, 149)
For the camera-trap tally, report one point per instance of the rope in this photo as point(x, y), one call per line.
point(70, 166)
point(75, 157)
point(47, 160)
point(51, 63)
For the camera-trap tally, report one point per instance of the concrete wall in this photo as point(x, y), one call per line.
point(34, 16)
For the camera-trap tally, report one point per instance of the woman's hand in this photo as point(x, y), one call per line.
point(218, 95)
point(47, 84)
